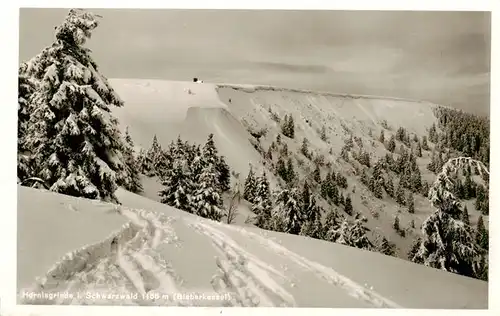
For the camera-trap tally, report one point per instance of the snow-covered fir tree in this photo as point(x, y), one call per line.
point(312, 226)
point(389, 186)
point(447, 242)
point(433, 134)
point(311, 209)
point(74, 142)
point(262, 203)
point(210, 151)
point(418, 149)
point(313, 229)
point(159, 162)
point(177, 186)
point(288, 126)
point(411, 203)
point(348, 205)
point(145, 163)
point(287, 215)
point(391, 146)
point(26, 88)
point(250, 186)
point(386, 247)
point(396, 224)
point(482, 234)
point(322, 134)
point(197, 165)
point(376, 181)
point(400, 194)
point(352, 234)
point(130, 179)
point(207, 198)
point(415, 180)
point(290, 171)
point(224, 173)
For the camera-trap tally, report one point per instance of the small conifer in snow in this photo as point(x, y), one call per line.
point(145, 163)
point(224, 173)
point(395, 224)
point(26, 87)
point(177, 187)
point(262, 204)
point(386, 247)
point(411, 203)
point(207, 199)
point(400, 194)
point(288, 215)
point(348, 205)
point(250, 186)
point(391, 146)
point(130, 179)
point(352, 234)
point(482, 234)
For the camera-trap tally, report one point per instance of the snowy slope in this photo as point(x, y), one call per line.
point(167, 251)
point(167, 109)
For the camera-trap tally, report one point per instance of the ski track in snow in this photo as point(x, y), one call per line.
point(125, 264)
point(131, 264)
point(243, 274)
point(330, 275)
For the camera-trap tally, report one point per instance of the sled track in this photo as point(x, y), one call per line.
point(125, 263)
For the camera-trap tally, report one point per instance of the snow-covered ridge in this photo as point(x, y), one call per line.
point(252, 88)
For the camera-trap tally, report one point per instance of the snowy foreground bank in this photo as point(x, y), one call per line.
point(146, 253)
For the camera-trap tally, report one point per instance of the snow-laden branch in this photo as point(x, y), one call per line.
point(441, 190)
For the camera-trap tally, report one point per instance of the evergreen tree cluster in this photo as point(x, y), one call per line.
point(67, 136)
point(464, 132)
point(286, 170)
point(482, 199)
point(296, 211)
point(386, 247)
point(403, 136)
point(193, 177)
point(304, 148)
point(363, 157)
point(322, 134)
point(377, 182)
point(349, 232)
point(406, 167)
point(437, 161)
point(346, 148)
point(448, 241)
point(331, 186)
point(391, 144)
point(288, 126)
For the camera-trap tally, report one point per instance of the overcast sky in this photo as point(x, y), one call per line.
point(437, 56)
